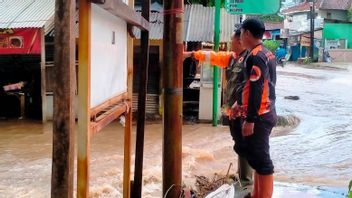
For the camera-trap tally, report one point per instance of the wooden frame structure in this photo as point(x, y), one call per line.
point(93, 120)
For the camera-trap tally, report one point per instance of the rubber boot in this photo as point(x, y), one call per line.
point(255, 192)
point(266, 186)
point(245, 172)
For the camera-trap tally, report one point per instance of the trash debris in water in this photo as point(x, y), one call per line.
point(206, 186)
point(292, 97)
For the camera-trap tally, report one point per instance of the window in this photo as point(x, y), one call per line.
point(328, 15)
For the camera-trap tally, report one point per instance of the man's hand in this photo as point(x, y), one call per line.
point(187, 55)
point(247, 129)
point(235, 111)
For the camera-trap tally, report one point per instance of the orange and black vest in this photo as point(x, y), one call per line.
point(258, 95)
point(234, 77)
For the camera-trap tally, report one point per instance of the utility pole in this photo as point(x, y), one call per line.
point(64, 93)
point(312, 17)
point(173, 91)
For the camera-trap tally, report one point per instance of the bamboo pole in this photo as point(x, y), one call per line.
point(64, 92)
point(83, 153)
point(128, 126)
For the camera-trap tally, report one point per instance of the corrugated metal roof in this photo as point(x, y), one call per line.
point(186, 15)
point(201, 24)
point(198, 20)
point(198, 24)
point(227, 25)
point(49, 28)
point(336, 5)
point(26, 13)
point(156, 26)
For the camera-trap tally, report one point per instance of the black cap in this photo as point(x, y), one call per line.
point(254, 26)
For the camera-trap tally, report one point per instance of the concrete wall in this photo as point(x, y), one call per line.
point(109, 56)
point(341, 55)
point(340, 15)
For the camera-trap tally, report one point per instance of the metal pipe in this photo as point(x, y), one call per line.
point(173, 90)
point(312, 16)
point(216, 69)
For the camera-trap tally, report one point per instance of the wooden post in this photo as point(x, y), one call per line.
point(172, 77)
point(43, 76)
point(128, 126)
point(64, 92)
point(142, 93)
point(83, 154)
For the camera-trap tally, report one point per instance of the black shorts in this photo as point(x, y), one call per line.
point(236, 132)
point(256, 147)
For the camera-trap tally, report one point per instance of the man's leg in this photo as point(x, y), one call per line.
point(245, 172)
point(259, 155)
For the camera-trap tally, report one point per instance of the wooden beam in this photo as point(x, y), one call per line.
point(120, 9)
point(64, 117)
point(42, 76)
point(128, 124)
point(117, 99)
point(106, 118)
point(83, 153)
point(143, 81)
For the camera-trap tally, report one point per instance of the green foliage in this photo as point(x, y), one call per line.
point(271, 45)
point(307, 60)
point(271, 18)
point(204, 2)
point(350, 190)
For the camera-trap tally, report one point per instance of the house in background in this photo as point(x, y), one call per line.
point(331, 23)
point(26, 48)
point(273, 30)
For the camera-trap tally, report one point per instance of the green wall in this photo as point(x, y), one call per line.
point(338, 31)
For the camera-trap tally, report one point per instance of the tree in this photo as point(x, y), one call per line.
point(204, 2)
point(271, 18)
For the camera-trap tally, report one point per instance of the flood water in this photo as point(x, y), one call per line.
point(317, 152)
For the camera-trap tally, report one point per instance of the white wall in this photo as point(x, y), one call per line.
point(300, 23)
point(108, 60)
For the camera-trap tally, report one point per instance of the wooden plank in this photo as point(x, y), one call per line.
point(43, 76)
point(128, 124)
point(64, 117)
point(83, 153)
point(107, 118)
point(120, 9)
point(117, 99)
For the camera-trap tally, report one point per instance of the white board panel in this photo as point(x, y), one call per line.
point(108, 56)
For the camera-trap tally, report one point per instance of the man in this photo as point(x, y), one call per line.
point(258, 102)
point(233, 63)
